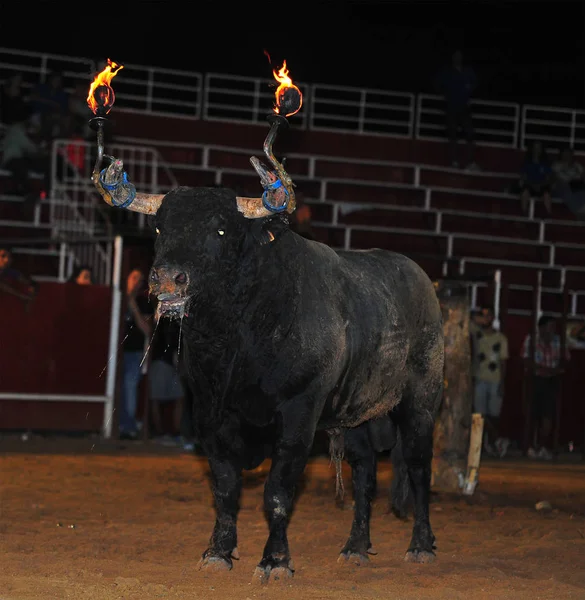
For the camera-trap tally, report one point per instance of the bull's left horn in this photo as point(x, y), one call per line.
point(117, 191)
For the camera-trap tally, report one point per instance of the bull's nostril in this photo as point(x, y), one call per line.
point(181, 278)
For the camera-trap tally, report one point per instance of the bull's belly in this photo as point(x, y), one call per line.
point(362, 404)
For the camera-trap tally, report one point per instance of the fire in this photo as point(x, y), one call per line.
point(101, 95)
point(289, 98)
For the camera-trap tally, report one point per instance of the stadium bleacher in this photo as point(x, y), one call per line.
point(421, 207)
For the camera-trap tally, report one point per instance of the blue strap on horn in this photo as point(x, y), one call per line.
point(274, 186)
point(111, 187)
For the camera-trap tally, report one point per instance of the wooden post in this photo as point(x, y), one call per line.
point(452, 427)
point(474, 454)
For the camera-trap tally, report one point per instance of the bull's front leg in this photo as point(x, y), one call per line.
point(288, 463)
point(227, 486)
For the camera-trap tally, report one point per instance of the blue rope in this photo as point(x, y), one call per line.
point(111, 187)
point(274, 186)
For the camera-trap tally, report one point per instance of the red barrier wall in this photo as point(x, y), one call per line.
point(60, 345)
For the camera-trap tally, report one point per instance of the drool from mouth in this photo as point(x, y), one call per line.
point(171, 305)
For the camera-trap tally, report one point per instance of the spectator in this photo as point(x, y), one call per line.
point(545, 373)
point(78, 111)
point(568, 172)
point(489, 358)
point(82, 275)
point(14, 106)
point(10, 276)
point(164, 379)
point(569, 181)
point(138, 328)
point(50, 105)
point(457, 84)
point(535, 177)
point(301, 218)
point(23, 154)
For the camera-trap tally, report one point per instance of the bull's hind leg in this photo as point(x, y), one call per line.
point(416, 424)
point(362, 459)
point(227, 486)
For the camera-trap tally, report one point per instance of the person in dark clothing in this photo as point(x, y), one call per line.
point(14, 106)
point(535, 177)
point(569, 181)
point(546, 367)
point(165, 382)
point(457, 84)
point(12, 280)
point(137, 329)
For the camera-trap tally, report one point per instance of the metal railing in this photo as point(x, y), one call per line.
point(77, 212)
point(233, 98)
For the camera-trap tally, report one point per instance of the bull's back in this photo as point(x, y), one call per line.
point(396, 277)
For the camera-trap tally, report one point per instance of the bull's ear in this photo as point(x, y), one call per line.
point(268, 230)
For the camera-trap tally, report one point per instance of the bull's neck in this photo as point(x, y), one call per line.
point(258, 295)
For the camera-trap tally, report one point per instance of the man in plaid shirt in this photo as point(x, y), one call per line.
point(546, 369)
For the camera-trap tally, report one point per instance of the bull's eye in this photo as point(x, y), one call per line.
point(157, 230)
point(221, 232)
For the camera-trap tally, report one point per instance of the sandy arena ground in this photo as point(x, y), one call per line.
point(91, 520)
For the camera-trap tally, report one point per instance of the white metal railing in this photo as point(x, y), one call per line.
point(75, 220)
point(245, 99)
point(372, 112)
point(495, 123)
point(107, 398)
point(79, 218)
point(553, 126)
point(223, 97)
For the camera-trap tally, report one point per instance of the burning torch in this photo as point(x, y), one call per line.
point(278, 187)
point(113, 181)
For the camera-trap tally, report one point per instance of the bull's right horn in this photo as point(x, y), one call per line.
point(114, 187)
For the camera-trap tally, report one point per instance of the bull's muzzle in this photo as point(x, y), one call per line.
point(169, 285)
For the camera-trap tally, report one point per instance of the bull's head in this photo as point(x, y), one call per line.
point(200, 232)
point(197, 229)
point(205, 248)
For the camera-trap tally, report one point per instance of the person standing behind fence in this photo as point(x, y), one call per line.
point(489, 359)
point(545, 371)
point(82, 275)
point(457, 83)
point(137, 328)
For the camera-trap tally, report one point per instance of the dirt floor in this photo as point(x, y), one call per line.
point(90, 520)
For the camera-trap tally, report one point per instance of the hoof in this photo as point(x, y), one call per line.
point(263, 575)
point(420, 556)
point(273, 569)
point(212, 562)
point(353, 558)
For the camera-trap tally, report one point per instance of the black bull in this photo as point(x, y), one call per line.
point(282, 337)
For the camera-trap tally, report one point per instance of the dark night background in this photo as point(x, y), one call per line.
point(530, 52)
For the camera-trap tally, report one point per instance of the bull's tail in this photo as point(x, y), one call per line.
point(400, 487)
point(336, 452)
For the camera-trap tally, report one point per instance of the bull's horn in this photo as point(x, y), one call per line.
point(279, 194)
point(253, 208)
point(117, 191)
